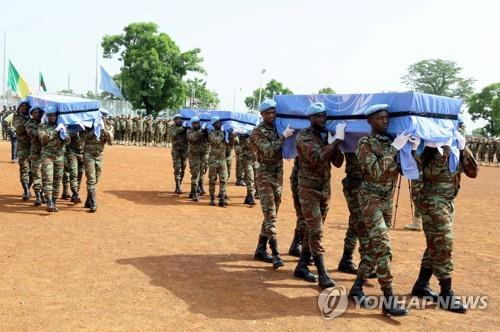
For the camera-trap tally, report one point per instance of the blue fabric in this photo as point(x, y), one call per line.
point(232, 121)
point(107, 84)
point(432, 118)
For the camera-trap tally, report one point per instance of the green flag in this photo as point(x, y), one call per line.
point(16, 82)
point(42, 83)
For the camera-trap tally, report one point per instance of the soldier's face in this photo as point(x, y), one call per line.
point(217, 125)
point(23, 109)
point(52, 118)
point(195, 125)
point(36, 115)
point(269, 116)
point(178, 122)
point(379, 122)
point(318, 121)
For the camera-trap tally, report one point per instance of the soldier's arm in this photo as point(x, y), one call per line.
point(216, 137)
point(46, 134)
point(266, 148)
point(372, 164)
point(313, 153)
point(469, 163)
point(195, 135)
point(337, 158)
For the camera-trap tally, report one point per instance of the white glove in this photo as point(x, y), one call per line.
point(204, 125)
point(331, 138)
point(340, 131)
point(185, 124)
point(60, 127)
point(460, 140)
point(415, 142)
point(288, 132)
point(400, 141)
point(222, 128)
point(101, 123)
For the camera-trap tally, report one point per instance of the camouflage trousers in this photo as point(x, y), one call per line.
point(351, 194)
point(127, 135)
point(52, 172)
point(195, 167)
point(23, 158)
point(269, 185)
point(300, 224)
point(179, 157)
point(315, 205)
point(148, 136)
point(139, 137)
point(247, 167)
point(93, 168)
point(36, 171)
point(491, 155)
point(217, 169)
point(374, 236)
point(73, 170)
point(239, 169)
point(437, 213)
point(229, 163)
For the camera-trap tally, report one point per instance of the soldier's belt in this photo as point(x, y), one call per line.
point(313, 184)
point(270, 167)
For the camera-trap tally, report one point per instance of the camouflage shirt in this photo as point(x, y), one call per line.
point(217, 146)
point(52, 144)
point(76, 144)
point(246, 149)
point(353, 169)
point(19, 123)
point(267, 146)
point(197, 140)
point(179, 138)
point(32, 130)
point(92, 146)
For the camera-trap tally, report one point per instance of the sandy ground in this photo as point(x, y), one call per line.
point(152, 260)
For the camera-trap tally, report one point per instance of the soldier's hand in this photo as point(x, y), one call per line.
point(288, 132)
point(460, 140)
point(60, 127)
point(415, 142)
point(340, 131)
point(400, 141)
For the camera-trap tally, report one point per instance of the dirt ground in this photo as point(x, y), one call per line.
point(153, 260)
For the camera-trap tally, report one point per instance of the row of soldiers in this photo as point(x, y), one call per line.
point(49, 155)
point(486, 150)
point(143, 131)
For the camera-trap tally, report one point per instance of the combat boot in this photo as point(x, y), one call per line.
point(87, 201)
point(295, 246)
point(447, 299)
point(249, 200)
point(93, 202)
point(222, 201)
point(390, 306)
point(324, 280)
point(212, 200)
point(421, 287)
point(346, 264)
point(75, 198)
point(54, 202)
point(195, 197)
point(302, 269)
point(261, 251)
point(416, 225)
point(257, 196)
point(356, 293)
point(26, 191)
point(201, 191)
point(38, 198)
point(50, 205)
point(178, 189)
point(240, 183)
point(273, 244)
point(65, 194)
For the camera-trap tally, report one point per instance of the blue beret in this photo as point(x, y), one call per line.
point(315, 108)
point(50, 110)
point(23, 102)
point(376, 108)
point(214, 119)
point(195, 119)
point(266, 105)
point(36, 108)
point(177, 116)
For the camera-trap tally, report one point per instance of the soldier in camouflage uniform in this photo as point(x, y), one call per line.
point(300, 225)
point(148, 131)
point(128, 130)
point(436, 204)
point(491, 150)
point(316, 153)
point(179, 151)
point(140, 131)
point(239, 168)
point(482, 149)
point(93, 148)
point(377, 157)
point(36, 114)
point(268, 144)
point(247, 160)
point(73, 166)
point(229, 152)
point(168, 138)
point(217, 166)
point(21, 116)
point(497, 147)
point(53, 138)
point(197, 138)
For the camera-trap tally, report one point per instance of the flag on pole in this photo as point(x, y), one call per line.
point(107, 84)
point(16, 82)
point(42, 82)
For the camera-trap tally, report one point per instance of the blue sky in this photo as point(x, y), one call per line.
point(352, 46)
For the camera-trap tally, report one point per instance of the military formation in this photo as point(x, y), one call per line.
point(142, 131)
point(485, 150)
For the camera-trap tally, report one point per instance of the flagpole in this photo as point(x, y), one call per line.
point(96, 65)
point(4, 64)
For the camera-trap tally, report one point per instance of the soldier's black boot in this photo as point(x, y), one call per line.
point(257, 196)
point(346, 264)
point(390, 306)
point(26, 191)
point(302, 269)
point(195, 197)
point(295, 247)
point(356, 293)
point(87, 201)
point(50, 205)
point(249, 200)
point(42, 197)
point(75, 198)
point(38, 198)
point(212, 200)
point(240, 183)
point(277, 262)
point(201, 191)
point(178, 190)
point(261, 251)
point(447, 300)
point(324, 280)
point(421, 287)
point(65, 194)
point(222, 201)
point(54, 202)
point(93, 202)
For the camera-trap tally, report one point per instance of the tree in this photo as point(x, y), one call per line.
point(486, 105)
point(203, 97)
point(153, 66)
point(271, 89)
point(326, 91)
point(438, 77)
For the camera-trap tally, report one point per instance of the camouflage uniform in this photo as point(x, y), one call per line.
point(217, 162)
point(148, 131)
point(482, 149)
point(179, 150)
point(497, 146)
point(197, 140)
point(268, 150)
point(73, 162)
point(93, 148)
point(23, 146)
point(229, 154)
point(377, 158)
point(247, 160)
point(239, 168)
point(300, 225)
point(128, 129)
point(491, 150)
point(35, 154)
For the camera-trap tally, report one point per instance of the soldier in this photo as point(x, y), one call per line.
point(377, 157)
point(36, 114)
point(205, 148)
point(11, 132)
point(128, 129)
point(239, 168)
point(316, 154)
point(148, 130)
point(482, 149)
point(157, 131)
point(135, 129)
point(300, 225)
point(474, 145)
point(140, 131)
point(168, 138)
point(73, 166)
point(179, 151)
point(436, 203)
point(497, 147)
point(197, 138)
point(53, 138)
point(217, 166)
point(229, 152)
point(416, 225)
point(93, 148)
point(247, 157)
point(21, 116)
point(268, 146)
point(491, 150)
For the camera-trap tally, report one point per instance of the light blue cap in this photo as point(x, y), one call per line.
point(315, 108)
point(267, 104)
point(376, 108)
point(50, 110)
point(36, 108)
point(195, 119)
point(177, 116)
point(214, 119)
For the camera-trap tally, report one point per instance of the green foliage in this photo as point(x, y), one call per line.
point(203, 97)
point(153, 67)
point(438, 77)
point(271, 89)
point(486, 105)
point(326, 91)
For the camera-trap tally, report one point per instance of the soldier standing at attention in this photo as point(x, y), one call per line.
point(93, 147)
point(197, 138)
point(247, 161)
point(377, 157)
point(179, 151)
point(217, 165)
point(316, 153)
point(21, 116)
point(436, 204)
point(268, 149)
point(53, 138)
point(36, 114)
